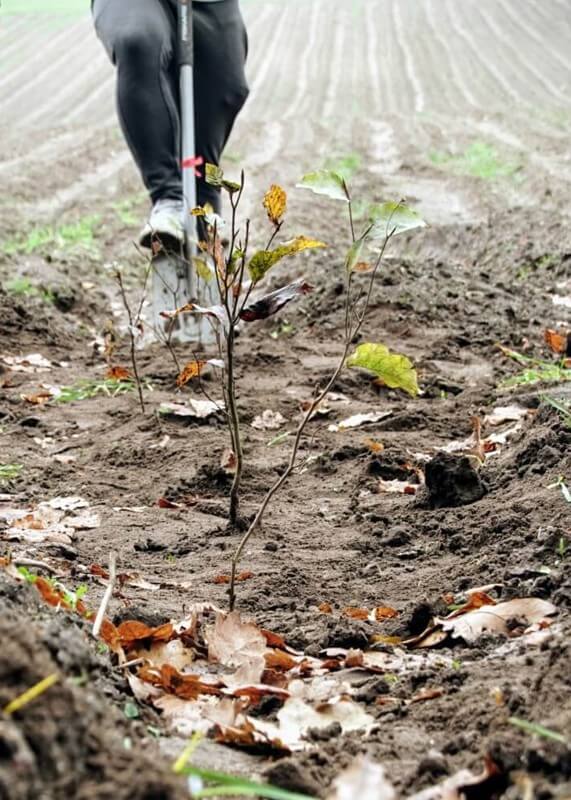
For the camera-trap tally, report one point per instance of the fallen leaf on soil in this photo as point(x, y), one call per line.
point(200, 409)
point(355, 613)
point(464, 785)
point(325, 608)
point(558, 342)
point(359, 419)
point(495, 619)
point(164, 502)
point(364, 780)
point(297, 716)
point(118, 374)
point(133, 632)
point(38, 399)
point(187, 687)
point(242, 576)
point(67, 503)
point(475, 600)
point(273, 302)
point(34, 362)
point(373, 446)
point(503, 414)
point(248, 736)
point(426, 694)
point(280, 660)
point(396, 487)
point(268, 420)
point(234, 643)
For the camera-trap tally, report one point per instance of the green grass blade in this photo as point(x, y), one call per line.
point(228, 785)
point(538, 730)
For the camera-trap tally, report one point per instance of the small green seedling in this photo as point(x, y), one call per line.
point(9, 472)
point(79, 235)
point(536, 370)
point(560, 484)
point(86, 389)
point(564, 408)
point(479, 160)
point(224, 785)
point(23, 287)
point(562, 547)
point(538, 730)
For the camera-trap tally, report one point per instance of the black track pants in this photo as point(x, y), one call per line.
point(140, 37)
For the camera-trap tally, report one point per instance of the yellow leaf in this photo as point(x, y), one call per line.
point(393, 369)
point(190, 371)
point(275, 203)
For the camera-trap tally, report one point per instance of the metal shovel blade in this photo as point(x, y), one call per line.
point(171, 289)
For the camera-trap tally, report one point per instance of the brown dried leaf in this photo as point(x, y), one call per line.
point(186, 687)
point(355, 613)
point(229, 461)
point(132, 632)
point(558, 342)
point(118, 374)
point(280, 660)
point(495, 618)
point(325, 608)
point(224, 579)
point(233, 643)
point(384, 612)
point(274, 301)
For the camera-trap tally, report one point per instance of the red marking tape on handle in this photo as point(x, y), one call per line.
point(193, 163)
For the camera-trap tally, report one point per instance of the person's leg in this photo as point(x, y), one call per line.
point(140, 37)
point(220, 87)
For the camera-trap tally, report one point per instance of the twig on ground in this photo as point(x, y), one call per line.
point(107, 596)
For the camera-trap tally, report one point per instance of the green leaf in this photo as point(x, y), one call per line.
point(393, 369)
point(213, 175)
point(203, 268)
point(264, 260)
point(393, 219)
point(131, 710)
point(326, 182)
point(231, 186)
point(234, 785)
point(355, 252)
point(538, 730)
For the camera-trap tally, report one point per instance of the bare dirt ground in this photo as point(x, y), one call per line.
point(462, 109)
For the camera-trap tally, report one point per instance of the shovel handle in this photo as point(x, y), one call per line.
point(185, 37)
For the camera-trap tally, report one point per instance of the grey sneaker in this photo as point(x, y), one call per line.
point(165, 223)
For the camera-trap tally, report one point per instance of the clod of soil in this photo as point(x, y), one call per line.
point(69, 742)
point(452, 481)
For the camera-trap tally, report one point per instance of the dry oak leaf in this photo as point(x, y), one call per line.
point(133, 632)
point(118, 374)
point(37, 399)
point(280, 660)
point(242, 576)
point(234, 643)
point(325, 608)
point(187, 687)
point(355, 613)
point(558, 342)
point(248, 736)
point(495, 618)
point(275, 203)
